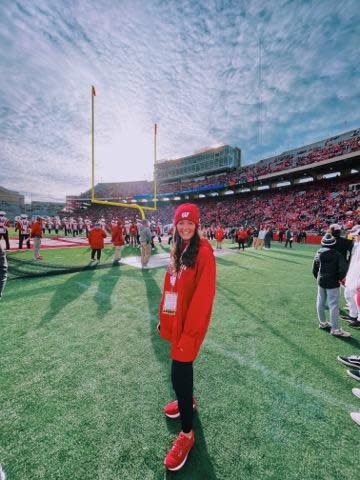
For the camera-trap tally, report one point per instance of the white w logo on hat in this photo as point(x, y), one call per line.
point(185, 214)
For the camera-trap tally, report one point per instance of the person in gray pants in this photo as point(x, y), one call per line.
point(3, 270)
point(329, 268)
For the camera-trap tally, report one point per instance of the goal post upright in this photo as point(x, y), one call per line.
point(93, 94)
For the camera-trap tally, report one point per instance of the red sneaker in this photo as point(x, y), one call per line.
point(171, 409)
point(177, 455)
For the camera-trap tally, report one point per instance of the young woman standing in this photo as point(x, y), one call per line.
point(185, 311)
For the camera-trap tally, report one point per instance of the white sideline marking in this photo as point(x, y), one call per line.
point(266, 372)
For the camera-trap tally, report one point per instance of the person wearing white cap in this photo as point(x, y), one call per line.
point(329, 268)
point(352, 282)
point(4, 233)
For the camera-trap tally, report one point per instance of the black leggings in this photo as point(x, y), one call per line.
point(98, 253)
point(182, 380)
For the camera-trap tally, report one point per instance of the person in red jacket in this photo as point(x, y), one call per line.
point(36, 234)
point(219, 236)
point(241, 238)
point(96, 241)
point(118, 240)
point(133, 234)
point(185, 311)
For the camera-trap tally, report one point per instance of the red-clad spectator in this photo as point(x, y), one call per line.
point(36, 234)
point(96, 241)
point(219, 236)
point(242, 236)
point(133, 234)
point(118, 239)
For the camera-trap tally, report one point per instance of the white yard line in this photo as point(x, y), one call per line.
point(266, 372)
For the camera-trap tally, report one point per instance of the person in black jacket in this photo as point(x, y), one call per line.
point(342, 245)
point(3, 270)
point(329, 268)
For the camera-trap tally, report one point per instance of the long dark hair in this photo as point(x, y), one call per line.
point(187, 257)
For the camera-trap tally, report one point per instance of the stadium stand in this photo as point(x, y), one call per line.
point(310, 207)
point(330, 150)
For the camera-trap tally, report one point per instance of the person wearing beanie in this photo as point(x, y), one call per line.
point(342, 245)
point(329, 268)
point(185, 311)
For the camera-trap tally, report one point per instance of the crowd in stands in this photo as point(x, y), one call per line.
point(304, 207)
point(307, 155)
point(304, 157)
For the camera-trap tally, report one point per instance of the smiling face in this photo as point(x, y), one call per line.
point(186, 229)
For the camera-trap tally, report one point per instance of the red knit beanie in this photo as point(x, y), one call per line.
point(187, 211)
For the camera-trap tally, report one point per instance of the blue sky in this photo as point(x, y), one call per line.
point(264, 76)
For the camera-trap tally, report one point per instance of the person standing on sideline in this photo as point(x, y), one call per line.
point(4, 229)
point(118, 240)
point(3, 270)
point(185, 311)
point(145, 242)
point(241, 238)
point(268, 237)
point(261, 237)
point(23, 227)
point(36, 234)
point(219, 236)
point(289, 237)
point(343, 245)
point(96, 241)
point(329, 268)
point(133, 229)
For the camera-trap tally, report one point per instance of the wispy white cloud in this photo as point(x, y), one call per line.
point(199, 69)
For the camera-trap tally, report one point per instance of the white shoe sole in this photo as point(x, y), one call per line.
point(348, 364)
point(340, 335)
point(177, 415)
point(356, 392)
point(352, 376)
point(179, 466)
point(356, 417)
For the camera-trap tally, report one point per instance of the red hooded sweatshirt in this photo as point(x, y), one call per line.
point(96, 238)
point(195, 288)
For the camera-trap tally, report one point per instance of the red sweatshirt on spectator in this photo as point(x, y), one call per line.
point(219, 234)
point(96, 238)
point(195, 288)
point(36, 230)
point(117, 233)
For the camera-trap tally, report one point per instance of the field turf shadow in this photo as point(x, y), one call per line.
point(153, 295)
point(66, 293)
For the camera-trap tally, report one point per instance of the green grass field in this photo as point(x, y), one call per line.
point(84, 376)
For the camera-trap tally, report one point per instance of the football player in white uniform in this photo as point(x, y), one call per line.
point(23, 227)
point(4, 229)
